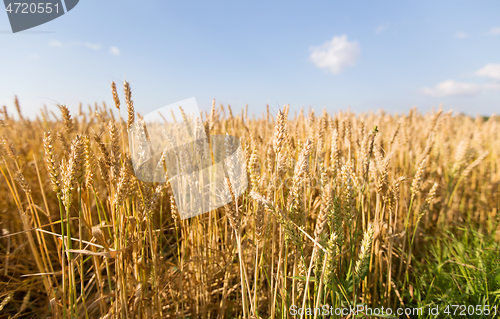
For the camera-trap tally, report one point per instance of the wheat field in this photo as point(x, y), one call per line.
point(344, 209)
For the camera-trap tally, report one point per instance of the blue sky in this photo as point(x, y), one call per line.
point(366, 55)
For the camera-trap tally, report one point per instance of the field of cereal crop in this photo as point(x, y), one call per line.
point(344, 209)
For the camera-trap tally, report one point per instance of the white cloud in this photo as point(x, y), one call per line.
point(55, 43)
point(494, 31)
point(335, 55)
point(381, 28)
point(114, 51)
point(490, 71)
point(93, 46)
point(460, 35)
point(452, 88)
